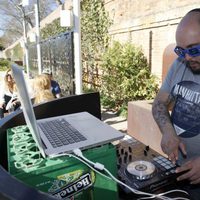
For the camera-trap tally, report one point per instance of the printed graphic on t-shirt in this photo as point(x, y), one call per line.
point(186, 113)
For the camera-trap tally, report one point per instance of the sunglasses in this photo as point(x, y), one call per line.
point(193, 51)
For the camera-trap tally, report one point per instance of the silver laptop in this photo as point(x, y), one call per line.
point(89, 130)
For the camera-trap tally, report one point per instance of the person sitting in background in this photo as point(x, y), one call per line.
point(55, 87)
point(42, 89)
point(6, 93)
point(14, 102)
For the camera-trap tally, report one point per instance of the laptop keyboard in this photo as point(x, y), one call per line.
point(60, 132)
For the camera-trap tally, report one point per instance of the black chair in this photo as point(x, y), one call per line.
point(13, 189)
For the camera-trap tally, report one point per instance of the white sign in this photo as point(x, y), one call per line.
point(25, 3)
point(66, 18)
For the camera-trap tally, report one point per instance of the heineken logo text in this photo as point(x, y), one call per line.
point(82, 183)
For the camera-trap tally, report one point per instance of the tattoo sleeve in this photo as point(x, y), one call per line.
point(160, 111)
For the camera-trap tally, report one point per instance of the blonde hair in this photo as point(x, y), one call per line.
point(9, 84)
point(43, 96)
point(41, 81)
point(42, 89)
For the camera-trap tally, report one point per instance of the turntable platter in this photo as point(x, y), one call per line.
point(141, 170)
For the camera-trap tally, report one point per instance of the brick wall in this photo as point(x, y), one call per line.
point(150, 24)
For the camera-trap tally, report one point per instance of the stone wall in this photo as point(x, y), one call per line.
point(150, 24)
point(142, 126)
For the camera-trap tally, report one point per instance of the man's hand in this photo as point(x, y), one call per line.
point(171, 144)
point(192, 169)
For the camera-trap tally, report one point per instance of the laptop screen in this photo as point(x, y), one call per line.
point(27, 105)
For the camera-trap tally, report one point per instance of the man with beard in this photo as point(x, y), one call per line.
point(180, 93)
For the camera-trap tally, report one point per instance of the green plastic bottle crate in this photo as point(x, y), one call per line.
point(64, 177)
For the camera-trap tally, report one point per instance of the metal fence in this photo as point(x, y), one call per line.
point(57, 55)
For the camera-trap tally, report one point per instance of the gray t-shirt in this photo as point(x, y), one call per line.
point(184, 86)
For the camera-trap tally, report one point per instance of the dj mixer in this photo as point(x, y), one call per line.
point(142, 168)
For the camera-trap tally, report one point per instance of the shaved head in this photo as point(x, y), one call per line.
point(188, 30)
point(188, 36)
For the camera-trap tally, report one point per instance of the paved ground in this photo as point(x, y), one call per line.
point(117, 122)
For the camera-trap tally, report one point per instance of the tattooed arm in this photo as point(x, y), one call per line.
point(170, 142)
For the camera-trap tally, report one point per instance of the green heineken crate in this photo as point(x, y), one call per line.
point(64, 177)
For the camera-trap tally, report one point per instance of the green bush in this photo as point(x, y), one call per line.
point(126, 77)
point(52, 29)
point(17, 52)
point(95, 23)
point(4, 64)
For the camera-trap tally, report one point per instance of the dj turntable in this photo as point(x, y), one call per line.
point(142, 168)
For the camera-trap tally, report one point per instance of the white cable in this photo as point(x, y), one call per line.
point(150, 196)
point(159, 196)
point(171, 191)
point(101, 167)
point(79, 153)
point(74, 156)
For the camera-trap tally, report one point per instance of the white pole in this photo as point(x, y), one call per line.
point(77, 47)
point(26, 47)
point(37, 25)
